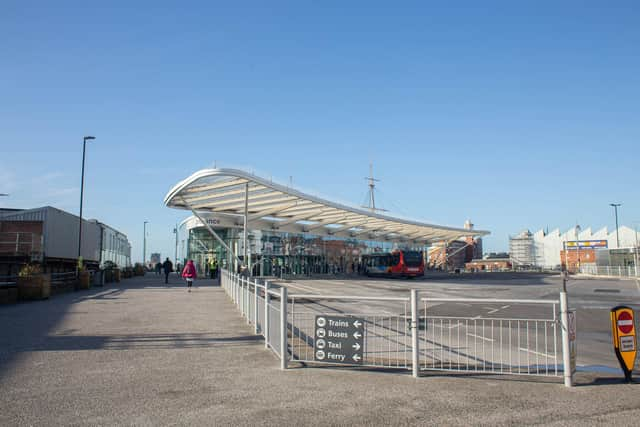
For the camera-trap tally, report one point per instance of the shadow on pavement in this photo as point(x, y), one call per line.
point(130, 342)
point(606, 381)
point(27, 326)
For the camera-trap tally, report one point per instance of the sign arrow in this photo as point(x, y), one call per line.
point(357, 323)
point(357, 335)
point(356, 346)
point(356, 357)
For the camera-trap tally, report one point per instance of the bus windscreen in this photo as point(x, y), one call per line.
point(412, 258)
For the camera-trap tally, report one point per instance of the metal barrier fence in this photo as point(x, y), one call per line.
point(20, 243)
point(497, 345)
point(610, 270)
point(387, 337)
point(264, 307)
point(63, 277)
point(409, 332)
point(8, 281)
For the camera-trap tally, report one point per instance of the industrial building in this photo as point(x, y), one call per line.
point(49, 236)
point(574, 248)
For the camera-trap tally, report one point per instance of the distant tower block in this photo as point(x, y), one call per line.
point(468, 225)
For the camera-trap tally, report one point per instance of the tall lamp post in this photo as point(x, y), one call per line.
point(144, 245)
point(175, 231)
point(577, 249)
point(84, 149)
point(615, 207)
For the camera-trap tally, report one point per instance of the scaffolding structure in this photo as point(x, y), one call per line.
point(522, 250)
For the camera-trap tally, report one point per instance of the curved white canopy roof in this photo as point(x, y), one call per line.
point(274, 206)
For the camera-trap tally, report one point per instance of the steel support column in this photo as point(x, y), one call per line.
point(245, 250)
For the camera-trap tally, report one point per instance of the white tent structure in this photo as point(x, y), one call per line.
point(261, 204)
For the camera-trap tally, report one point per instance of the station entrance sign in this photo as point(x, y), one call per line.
point(338, 339)
point(624, 338)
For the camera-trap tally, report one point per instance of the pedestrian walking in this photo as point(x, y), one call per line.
point(189, 273)
point(167, 266)
point(213, 268)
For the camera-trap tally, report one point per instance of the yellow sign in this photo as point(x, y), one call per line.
point(624, 338)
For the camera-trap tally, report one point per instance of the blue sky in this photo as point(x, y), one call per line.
point(513, 114)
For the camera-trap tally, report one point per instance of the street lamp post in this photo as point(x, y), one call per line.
point(175, 230)
point(84, 148)
point(615, 207)
point(144, 245)
point(577, 249)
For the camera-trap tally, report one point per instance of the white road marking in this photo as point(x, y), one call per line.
point(497, 309)
point(304, 288)
point(481, 337)
point(535, 352)
point(595, 307)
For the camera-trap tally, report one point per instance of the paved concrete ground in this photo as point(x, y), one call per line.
point(140, 353)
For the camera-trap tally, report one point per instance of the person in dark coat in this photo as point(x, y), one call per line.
point(167, 266)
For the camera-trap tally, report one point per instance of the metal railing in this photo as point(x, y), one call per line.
point(263, 306)
point(20, 243)
point(387, 338)
point(8, 281)
point(610, 270)
point(487, 344)
point(413, 333)
point(61, 280)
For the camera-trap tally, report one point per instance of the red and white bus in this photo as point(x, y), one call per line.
point(397, 264)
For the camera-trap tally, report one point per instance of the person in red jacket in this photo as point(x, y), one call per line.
point(189, 273)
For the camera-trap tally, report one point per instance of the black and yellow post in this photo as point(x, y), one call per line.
point(624, 338)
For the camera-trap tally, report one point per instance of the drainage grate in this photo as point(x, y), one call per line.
point(613, 291)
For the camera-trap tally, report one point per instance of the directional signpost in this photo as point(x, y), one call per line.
point(339, 340)
point(624, 338)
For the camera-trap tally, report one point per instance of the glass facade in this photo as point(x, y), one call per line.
point(274, 253)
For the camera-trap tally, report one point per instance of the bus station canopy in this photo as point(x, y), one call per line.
point(271, 206)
